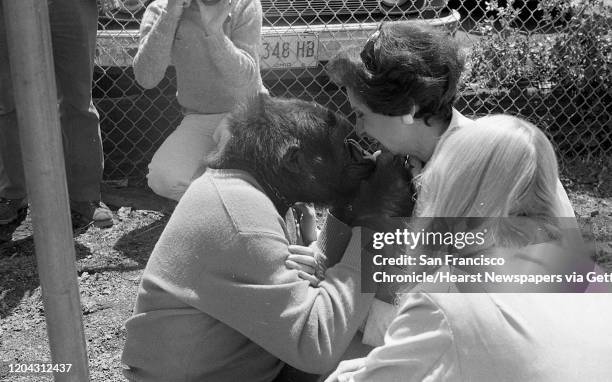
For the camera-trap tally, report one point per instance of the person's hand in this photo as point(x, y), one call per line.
point(176, 7)
point(309, 264)
point(346, 369)
point(105, 6)
point(305, 265)
point(213, 16)
point(307, 220)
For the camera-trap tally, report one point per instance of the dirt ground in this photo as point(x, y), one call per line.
point(110, 262)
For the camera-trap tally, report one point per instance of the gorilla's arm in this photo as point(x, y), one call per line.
point(388, 192)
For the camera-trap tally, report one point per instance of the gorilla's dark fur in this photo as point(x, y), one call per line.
point(295, 149)
point(388, 192)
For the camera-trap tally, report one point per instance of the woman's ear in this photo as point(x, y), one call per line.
point(408, 119)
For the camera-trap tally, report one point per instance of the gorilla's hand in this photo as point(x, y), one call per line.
point(389, 192)
point(359, 166)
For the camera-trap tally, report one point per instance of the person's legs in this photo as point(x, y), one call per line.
point(73, 34)
point(179, 159)
point(12, 181)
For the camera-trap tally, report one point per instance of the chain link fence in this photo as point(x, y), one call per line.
point(548, 61)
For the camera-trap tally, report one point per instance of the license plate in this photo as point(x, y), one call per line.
point(289, 51)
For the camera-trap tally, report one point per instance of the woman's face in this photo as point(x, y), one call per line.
point(391, 132)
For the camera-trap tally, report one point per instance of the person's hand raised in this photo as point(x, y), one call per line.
point(213, 15)
point(175, 7)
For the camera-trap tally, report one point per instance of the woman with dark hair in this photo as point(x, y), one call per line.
point(402, 86)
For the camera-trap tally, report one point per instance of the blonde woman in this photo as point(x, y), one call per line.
point(501, 167)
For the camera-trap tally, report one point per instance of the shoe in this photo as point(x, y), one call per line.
point(96, 212)
point(12, 209)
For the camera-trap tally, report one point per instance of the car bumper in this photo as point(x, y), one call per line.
point(118, 47)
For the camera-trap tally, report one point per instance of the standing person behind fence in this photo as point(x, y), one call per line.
point(73, 35)
point(214, 48)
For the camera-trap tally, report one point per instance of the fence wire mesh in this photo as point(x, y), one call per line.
point(548, 61)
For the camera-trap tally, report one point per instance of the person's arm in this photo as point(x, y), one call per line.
point(157, 31)
point(417, 342)
point(309, 328)
point(385, 190)
point(379, 319)
point(237, 59)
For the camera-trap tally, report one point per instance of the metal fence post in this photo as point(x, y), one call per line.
point(29, 41)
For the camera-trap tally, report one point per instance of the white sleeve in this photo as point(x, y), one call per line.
point(418, 346)
point(379, 318)
point(564, 207)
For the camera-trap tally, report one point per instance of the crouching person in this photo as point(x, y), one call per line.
point(216, 302)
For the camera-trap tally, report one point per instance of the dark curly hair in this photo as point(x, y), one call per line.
point(403, 64)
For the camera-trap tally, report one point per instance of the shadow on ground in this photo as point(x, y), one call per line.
point(139, 218)
point(19, 273)
point(138, 244)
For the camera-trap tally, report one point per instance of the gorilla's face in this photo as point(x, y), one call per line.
point(336, 167)
point(295, 147)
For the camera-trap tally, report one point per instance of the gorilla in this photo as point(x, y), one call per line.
point(295, 149)
point(216, 301)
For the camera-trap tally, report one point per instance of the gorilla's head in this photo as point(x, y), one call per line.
point(295, 149)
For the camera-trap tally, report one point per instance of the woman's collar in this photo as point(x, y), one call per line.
point(458, 120)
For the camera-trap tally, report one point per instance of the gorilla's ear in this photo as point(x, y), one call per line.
point(294, 160)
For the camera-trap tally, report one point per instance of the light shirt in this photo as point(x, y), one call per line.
point(503, 337)
point(214, 72)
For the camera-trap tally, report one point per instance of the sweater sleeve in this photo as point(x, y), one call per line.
point(564, 207)
point(379, 318)
point(157, 31)
point(418, 346)
point(565, 210)
point(333, 239)
point(307, 327)
point(238, 58)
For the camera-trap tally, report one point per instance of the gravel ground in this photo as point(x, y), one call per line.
point(110, 262)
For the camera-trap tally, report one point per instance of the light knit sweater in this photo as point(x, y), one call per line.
point(217, 303)
point(213, 72)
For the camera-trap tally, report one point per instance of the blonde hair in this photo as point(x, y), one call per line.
point(499, 167)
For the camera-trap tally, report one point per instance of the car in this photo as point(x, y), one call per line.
point(296, 33)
